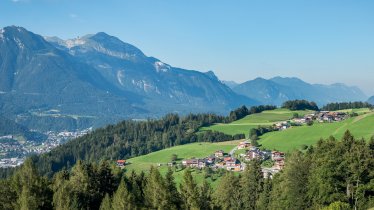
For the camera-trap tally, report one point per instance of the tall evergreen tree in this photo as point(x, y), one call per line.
point(294, 178)
point(106, 203)
point(227, 194)
point(156, 194)
point(123, 199)
point(62, 193)
point(174, 196)
point(137, 183)
point(205, 195)
point(251, 184)
point(264, 200)
point(106, 179)
point(33, 191)
point(189, 191)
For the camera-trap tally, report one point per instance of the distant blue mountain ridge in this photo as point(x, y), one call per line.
point(279, 89)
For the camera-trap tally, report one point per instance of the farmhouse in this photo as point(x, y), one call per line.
point(194, 163)
point(121, 163)
point(252, 154)
point(235, 167)
point(230, 161)
point(256, 153)
point(210, 159)
point(303, 120)
point(190, 162)
point(279, 164)
point(276, 155)
point(243, 145)
point(325, 116)
point(282, 125)
point(219, 153)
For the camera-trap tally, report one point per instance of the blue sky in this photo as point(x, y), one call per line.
point(318, 41)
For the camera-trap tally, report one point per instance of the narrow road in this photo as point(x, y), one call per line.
point(231, 153)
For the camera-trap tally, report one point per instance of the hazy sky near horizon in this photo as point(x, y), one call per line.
point(318, 41)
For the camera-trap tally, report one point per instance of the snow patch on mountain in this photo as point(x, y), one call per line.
point(2, 33)
point(120, 76)
point(121, 55)
point(161, 67)
point(19, 43)
point(104, 66)
point(48, 54)
point(70, 43)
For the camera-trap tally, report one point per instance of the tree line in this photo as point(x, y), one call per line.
point(347, 105)
point(243, 111)
point(330, 175)
point(300, 105)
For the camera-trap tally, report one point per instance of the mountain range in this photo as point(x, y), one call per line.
point(278, 89)
point(97, 79)
point(51, 83)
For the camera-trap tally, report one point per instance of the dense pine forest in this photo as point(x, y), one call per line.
point(330, 175)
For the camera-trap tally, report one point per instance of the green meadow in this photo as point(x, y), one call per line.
point(358, 111)
point(197, 150)
point(265, 118)
point(361, 127)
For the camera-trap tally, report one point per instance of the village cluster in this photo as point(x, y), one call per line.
point(13, 152)
point(228, 161)
point(320, 116)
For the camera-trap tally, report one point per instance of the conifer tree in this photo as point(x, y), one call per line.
point(264, 200)
point(189, 191)
point(32, 190)
point(294, 181)
point(174, 196)
point(251, 184)
point(8, 196)
point(62, 194)
point(205, 195)
point(227, 194)
point(123, 199)
point(105, 179)
point(156, 195)
point(106, 203)
point(137, 183)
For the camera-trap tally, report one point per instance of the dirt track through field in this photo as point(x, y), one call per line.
point(362, 117)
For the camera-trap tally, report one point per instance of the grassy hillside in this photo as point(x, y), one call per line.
point(294, 138)
point(265, 118)
point(361, 126)
point(198, 150)
point(358, 111)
